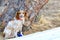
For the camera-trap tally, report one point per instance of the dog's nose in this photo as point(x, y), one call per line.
point(21, 16)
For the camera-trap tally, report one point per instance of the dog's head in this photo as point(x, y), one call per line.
point(21, 15)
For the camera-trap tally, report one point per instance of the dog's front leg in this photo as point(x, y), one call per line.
point(15, 33)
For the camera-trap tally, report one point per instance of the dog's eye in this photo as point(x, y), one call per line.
point(23, 13)
point(19, 13)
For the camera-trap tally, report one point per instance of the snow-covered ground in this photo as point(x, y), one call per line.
point(53, 34)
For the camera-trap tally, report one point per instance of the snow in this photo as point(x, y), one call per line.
point(53, 34)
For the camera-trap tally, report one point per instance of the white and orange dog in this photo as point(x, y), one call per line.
point(15, 25)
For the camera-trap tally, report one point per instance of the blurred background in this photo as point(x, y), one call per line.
point(47, 18)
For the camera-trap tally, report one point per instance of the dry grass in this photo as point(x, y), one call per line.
point(45, 23)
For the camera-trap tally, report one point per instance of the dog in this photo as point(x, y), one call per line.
point(15, 25)
point(21, 17)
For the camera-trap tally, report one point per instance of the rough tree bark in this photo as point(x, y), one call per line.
point(32, 7)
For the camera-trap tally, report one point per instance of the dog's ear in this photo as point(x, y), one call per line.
point(17, 15)
point(26, 15)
